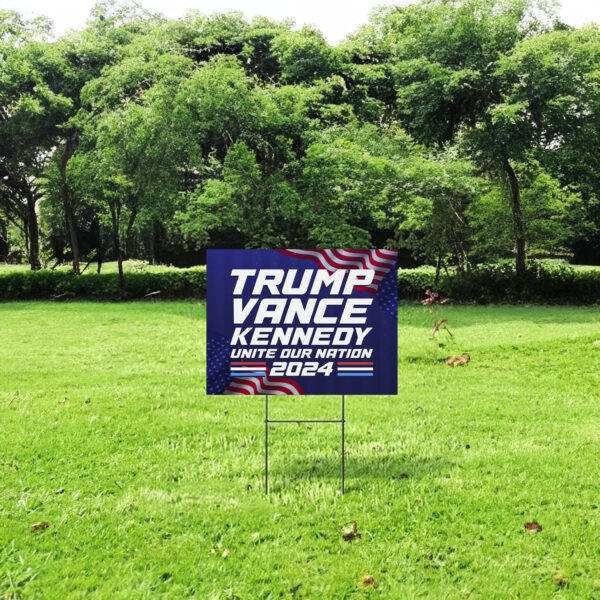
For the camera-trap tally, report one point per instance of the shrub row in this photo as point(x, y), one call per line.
point(484, 284)
point(63, 285)
point(498, 283)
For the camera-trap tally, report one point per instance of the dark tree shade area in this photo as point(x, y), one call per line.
point(459, 132)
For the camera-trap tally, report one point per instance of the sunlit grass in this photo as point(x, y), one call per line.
point(152, 489)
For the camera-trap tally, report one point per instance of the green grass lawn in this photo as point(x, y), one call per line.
point(152, 489)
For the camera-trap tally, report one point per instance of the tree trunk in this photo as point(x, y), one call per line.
point(4, 245)
point(517, 218)
point(70, 147)
point(115, 213)
point(128, 241)
point(34, 234)
point(438, 266)
point(99, 254)
point(97, 233)
point(25, 230)
point(72, 227)
point(157, 244)
point(460, 259)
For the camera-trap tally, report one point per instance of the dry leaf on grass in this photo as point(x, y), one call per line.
point(369, 580)
point(458, 361)
point(560, 580)
point(533, 526)
point(350, 533)
point(40, 525)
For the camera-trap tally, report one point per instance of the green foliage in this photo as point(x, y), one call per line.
point(35, 85)
point(304, 56)
point(443, 55)
point(554, 216)
point(458, 131)
point(230, 202)
point(344, 188)
point(63, 285)
point(430, 217)
point(543, 283)
point(554, 93)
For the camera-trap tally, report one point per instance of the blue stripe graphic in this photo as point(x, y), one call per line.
point(246, 374)
point(355, 374)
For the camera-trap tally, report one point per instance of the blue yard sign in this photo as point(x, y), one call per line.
point(302, 322)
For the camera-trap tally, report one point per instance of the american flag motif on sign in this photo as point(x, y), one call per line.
point(380, 261)
point(220, 377)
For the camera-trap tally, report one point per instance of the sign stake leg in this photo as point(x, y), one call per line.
point(343, 445)
point(266, 444)
point(341, 421)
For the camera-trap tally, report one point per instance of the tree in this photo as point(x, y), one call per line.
point(457, 130)
point(445, 60)
point(431, 218)
point(551, 109)
point(113, 34)
point(240, 141)
point(30, 115)
point(553, 215)
point(132, 162)
point(364, 185)
point(344, 186)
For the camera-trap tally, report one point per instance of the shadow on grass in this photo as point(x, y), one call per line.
point(398, 468)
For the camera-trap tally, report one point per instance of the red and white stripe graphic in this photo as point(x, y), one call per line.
point(380, 261)
point(252, 386)
point(355, 366)
point(252, 368)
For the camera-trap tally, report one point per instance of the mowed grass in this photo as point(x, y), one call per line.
point(152, 489)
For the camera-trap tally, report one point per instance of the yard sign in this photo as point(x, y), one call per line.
point(302, 322)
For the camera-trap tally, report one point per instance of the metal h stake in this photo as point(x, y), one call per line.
point(342, 421)
point(266, 444)
point(343, 443)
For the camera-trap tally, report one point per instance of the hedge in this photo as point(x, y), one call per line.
point(498, 283)
point(490, 283)
point(172, 283)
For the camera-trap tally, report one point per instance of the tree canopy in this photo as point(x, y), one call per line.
point(457, 131)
